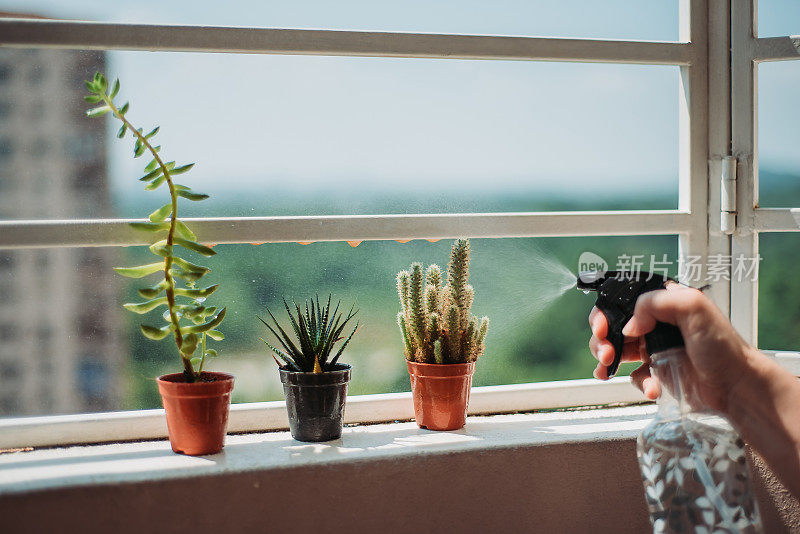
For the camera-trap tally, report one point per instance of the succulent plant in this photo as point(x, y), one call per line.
point(435, 319)
point(316, 331)
point(190, 321)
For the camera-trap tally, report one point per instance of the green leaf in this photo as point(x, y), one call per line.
point(195, 246)
point(144, 307)
point(155, 184)
point(190, 277)
point(160, 248)
point(154, 291)
point(191, 195)
point(122, 130)
point(195, 313)
point(161, 213)
point(181, 170)
point(151, 175)
point(207, 325)
point(189, 266)
point(151, 332)
point(197, 293)
point(98, 111)
point(216, 335)
point(93, 99)
point(183, 231)
point(124, 109)
point(150, 226)
point(152, 132)
point(151, 166)
point(140, 270)
point(103, 82)
point(189, 343)
point(140, 150)
point(90, 86)
point(211, 353)
point(115, 89)
point(196, 361)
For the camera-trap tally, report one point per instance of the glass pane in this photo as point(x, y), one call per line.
point(318, 135)
point(778, 292)
point(778, 115)
point(66, 344)
point(778, 17)
point(610, 19)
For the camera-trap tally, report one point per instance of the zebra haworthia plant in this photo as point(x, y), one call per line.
point(190, 322)
point(316, 331)
point(435, 319)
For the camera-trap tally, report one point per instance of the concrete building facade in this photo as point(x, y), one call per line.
point(61, 349)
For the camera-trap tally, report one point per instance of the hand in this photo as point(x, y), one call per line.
point(717, 352)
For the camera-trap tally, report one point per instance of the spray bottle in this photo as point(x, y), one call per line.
point(692, 461)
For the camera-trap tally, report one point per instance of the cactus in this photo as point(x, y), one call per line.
point(435, 319)
point(416, 307)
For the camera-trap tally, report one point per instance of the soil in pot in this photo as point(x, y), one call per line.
point(440, 393)
point(315, 402)
point(197, 412)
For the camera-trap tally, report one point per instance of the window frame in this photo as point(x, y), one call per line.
point(715, 84)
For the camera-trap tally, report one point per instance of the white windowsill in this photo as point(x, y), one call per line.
point(60, 430)
point(153, 460)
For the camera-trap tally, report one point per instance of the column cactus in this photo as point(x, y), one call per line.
point(435, 320)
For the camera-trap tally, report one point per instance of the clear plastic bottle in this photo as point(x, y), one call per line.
point(692, 461)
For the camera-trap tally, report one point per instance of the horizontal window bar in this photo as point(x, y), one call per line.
point(260, 416)
point(776, 220)
point(118, 232)
point(777, 48)
point(789, 360)
point(105, 36)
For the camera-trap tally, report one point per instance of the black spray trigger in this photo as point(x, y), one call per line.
point(616, 322)
point(617, 292)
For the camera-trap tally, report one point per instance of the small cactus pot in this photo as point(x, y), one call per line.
point(197, 412)
point(440, 393)
point(315, 402)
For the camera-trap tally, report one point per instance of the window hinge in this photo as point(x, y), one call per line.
point(727, 200)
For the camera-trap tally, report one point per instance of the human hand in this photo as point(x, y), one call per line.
point(715, 350)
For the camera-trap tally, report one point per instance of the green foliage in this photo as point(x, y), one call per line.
point(460, 337)
point(316, 332)
point(188, 320)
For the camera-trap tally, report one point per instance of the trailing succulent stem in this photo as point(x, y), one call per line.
point(199, 321)
point(435, 320)
point(316, 332)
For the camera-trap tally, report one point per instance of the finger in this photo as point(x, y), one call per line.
point(603, 350)
point(600, 372)
point(648, 384)
point(671, 306)
point(598, 323)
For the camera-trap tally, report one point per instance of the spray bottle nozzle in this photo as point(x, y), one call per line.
point(617, 292)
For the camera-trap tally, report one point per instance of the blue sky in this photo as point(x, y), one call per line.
point(279, 122)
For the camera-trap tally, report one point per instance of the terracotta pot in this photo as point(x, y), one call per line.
point(197, 413)
point(315, 402)
point(441, 393)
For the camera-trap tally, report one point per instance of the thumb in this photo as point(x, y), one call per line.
point(666, 306)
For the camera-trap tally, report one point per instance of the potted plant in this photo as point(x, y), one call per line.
point(196, 401)
point(442, 340)
point(314, 383)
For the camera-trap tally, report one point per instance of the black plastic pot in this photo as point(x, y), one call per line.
point(315, 402)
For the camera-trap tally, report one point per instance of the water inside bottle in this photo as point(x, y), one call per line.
point(695, 477)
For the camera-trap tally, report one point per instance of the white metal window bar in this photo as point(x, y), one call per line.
point(748, 52)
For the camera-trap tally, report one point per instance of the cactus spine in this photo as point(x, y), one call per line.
point(435, 319)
